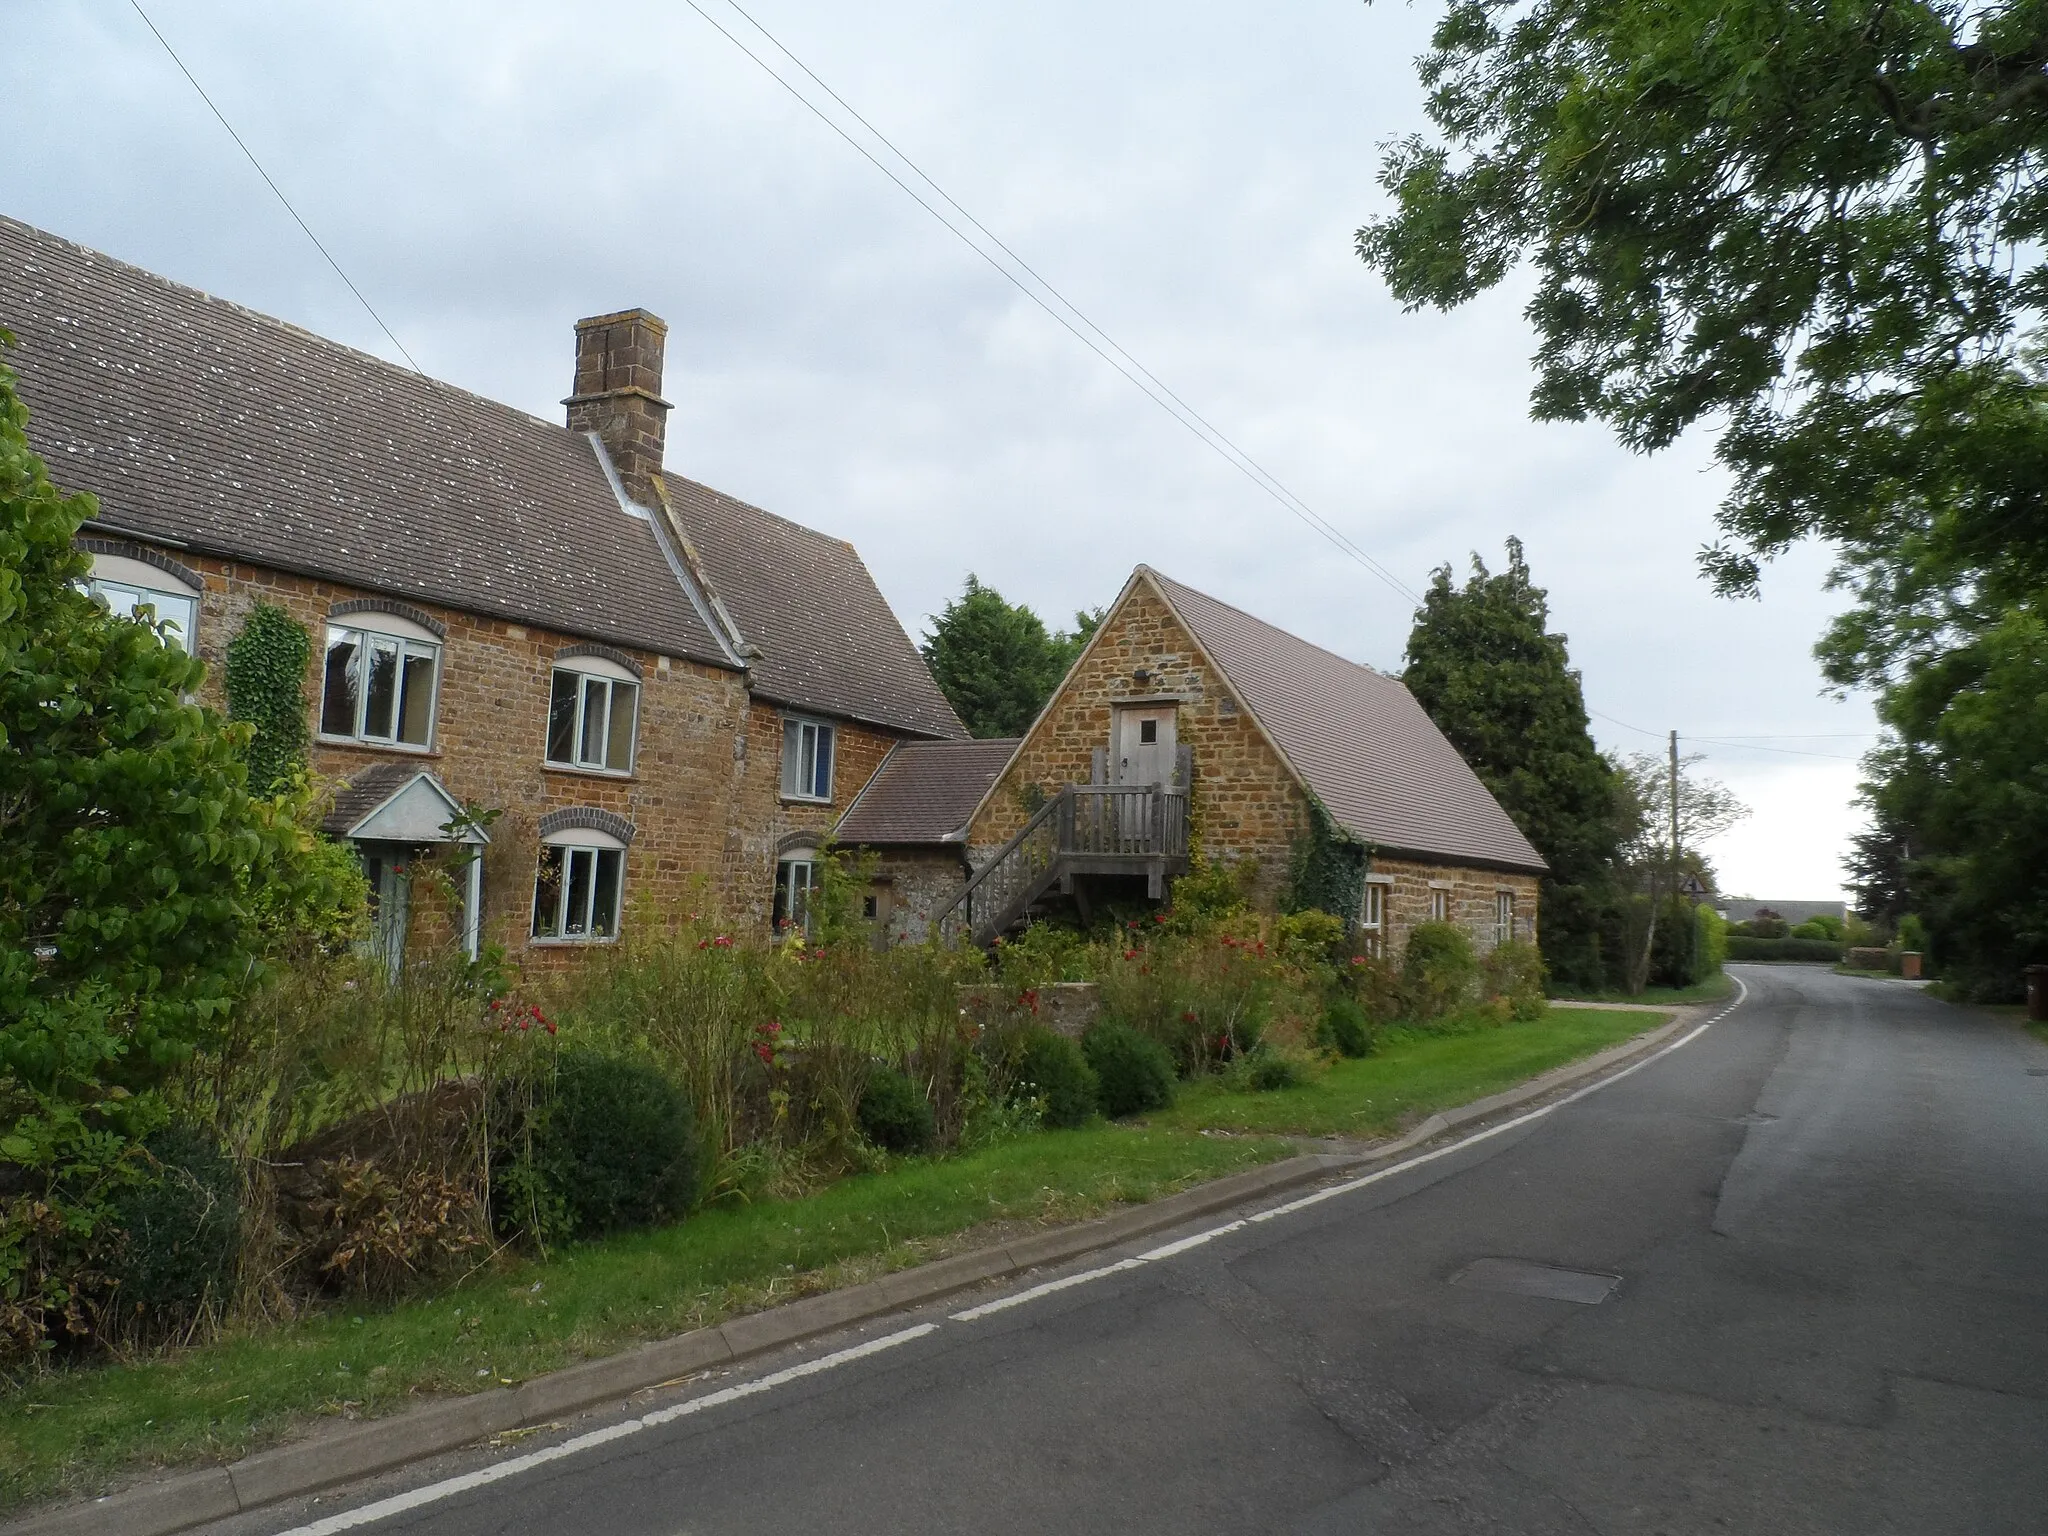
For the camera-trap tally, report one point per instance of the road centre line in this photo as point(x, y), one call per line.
point(433, 1493)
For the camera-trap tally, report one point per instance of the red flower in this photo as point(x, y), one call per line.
point(765, 1052)
point(1132, 923)
point(773, 1026)
point(1029, 998)
point(703, 943)
point(1188, 1017)
point(723, 941)
point(1158, 917)
point(494, 1005)
point(550, 1023)
point(525, 1025)
point(1130, 954)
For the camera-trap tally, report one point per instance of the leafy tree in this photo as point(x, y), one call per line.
point(1818, 225)
point(1960, 801)
point(130, 854)
point(1656, 868)
point(1499, 684)
point(996, 662)
point(1820, 229)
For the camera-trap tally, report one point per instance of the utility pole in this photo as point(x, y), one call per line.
point(1674, 804)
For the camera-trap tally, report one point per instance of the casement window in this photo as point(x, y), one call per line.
point(796, 883)
point(806, 759)
point(134, 589)
point(1372, 919)
point(1439, 906)
point(578, 888)
point(1503, 916)
point(173, 611)
point(379, 684)
point(593, 716)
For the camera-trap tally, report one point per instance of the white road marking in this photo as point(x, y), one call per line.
point(1036, 1291)
point(433, 1493)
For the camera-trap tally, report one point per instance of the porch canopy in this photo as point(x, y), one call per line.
point(400, 805)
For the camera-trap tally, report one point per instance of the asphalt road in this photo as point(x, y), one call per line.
point(1829, 1216)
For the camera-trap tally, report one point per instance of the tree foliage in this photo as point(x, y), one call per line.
point(1817, 226)
point(996, 662)
point(130, 858)
point(1499, 684)
point(266, 686)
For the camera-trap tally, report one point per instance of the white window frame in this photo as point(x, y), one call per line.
point(566, 850)
point(788, 924)
point(801, 736)
point(593, 675)
point(125, 585)
point(1503, 916)
point(1372, 916)
point(406, 642)
point(1439, 903)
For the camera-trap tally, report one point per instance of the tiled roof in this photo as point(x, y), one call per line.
point(1357, 738)
point(366, 789)
point(827, 638)
point(924, 792)
point(199, 423)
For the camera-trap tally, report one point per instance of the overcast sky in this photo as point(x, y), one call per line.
point(1190, 175)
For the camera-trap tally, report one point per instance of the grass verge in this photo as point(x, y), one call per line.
point(77, 1430)
point(1714, 989)
point(1413, 1073)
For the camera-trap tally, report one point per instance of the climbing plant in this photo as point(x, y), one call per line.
point(266, 686)
point(1326, 872)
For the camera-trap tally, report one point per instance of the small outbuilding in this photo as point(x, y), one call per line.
point(1190, 727)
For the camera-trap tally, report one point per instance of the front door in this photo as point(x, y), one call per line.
point(1144, 746)
point(384, 865)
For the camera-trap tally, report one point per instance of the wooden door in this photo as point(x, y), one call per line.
point(1144, 744)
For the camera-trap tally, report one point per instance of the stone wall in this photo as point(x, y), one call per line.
point(1469, 897)
point(1246, 804)
point(704, 796)
point(914, 884)
point(765, 823)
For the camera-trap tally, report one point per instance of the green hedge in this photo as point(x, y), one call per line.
point(1741, 948)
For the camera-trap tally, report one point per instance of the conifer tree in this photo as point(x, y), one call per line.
point(1484, 664)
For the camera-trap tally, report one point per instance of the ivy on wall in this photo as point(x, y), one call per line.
point(266, 679)
point(1326, 872)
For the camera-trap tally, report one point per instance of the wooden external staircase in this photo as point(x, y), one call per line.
point(1085, 830)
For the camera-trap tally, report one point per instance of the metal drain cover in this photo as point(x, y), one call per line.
point(1519, 1277)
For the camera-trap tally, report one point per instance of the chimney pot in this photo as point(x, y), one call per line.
point(618, 393)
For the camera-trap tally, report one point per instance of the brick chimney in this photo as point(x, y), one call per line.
point(618, 393)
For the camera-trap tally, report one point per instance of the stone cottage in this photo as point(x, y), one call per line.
point(1188, 724)
point(670, 696)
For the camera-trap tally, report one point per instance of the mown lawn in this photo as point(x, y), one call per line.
point(74, 1430)
point(1412, 1073)
point(78, 1430)
point(1714, 989)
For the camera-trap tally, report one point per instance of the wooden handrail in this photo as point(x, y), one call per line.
point(1140, 822)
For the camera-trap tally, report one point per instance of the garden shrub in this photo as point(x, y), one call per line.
point(1740, 948)
point(1374, 983)
point(1513, 974)
point(1268, 1068)
point(1133, 1072)
point(181, 1227)
point(1309, 937)
point(894, 1113)
point(1051, 1069)
point(612, 1141)
point(1439, 973)
point(1347, 1028)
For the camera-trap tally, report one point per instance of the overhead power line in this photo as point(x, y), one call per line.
point(1100, 342)
point(1749, 744)
point(278, 191)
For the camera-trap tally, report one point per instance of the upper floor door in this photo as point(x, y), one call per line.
point(1143, 744)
